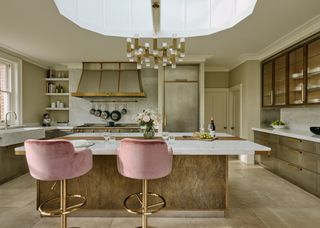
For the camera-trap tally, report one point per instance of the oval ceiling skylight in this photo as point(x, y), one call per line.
point(181, 18)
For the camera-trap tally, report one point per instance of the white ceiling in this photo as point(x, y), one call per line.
point(34, 28)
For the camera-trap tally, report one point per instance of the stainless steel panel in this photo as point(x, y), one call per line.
point(298, 144)
point(181, 107)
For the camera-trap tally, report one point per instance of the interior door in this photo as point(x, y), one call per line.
point(216, 107)
point(235, 103)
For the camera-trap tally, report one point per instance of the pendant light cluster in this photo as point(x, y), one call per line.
point(166, 54)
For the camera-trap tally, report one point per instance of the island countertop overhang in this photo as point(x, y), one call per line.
point(231, 146)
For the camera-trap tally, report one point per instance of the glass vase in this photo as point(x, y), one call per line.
point(149, 132)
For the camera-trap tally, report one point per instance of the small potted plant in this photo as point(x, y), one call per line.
point(148, 119)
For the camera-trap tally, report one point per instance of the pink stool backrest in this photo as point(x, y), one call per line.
point(144, 159)
point(52, 160)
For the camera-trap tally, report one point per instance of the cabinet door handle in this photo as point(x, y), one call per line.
point(225, 128)
point(232, 128)
point(295, 166)
point(165, 120)
point(302, 93)
point(295, 140)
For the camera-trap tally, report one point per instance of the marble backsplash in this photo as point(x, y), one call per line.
point(79, 107)
point(301, 118)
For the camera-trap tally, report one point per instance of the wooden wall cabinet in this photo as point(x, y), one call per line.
point(292, 77)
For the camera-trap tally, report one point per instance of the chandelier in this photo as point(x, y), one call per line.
point(175, 19)
point(165, 54)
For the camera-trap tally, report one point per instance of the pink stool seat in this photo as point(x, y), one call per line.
point(52, 160)
point(144, 159)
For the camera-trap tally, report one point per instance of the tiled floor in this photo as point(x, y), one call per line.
point(257, 199)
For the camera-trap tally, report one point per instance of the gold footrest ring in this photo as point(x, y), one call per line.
point(153, 208)
point(56, 212)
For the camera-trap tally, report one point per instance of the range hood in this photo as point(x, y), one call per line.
point(105, 79)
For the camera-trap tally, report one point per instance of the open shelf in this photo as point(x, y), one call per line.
point(57, 79)
point(57, 94)
point(57, 109)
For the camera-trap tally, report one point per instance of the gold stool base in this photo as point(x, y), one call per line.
point(139, 211)
point(56, 212)
point(64, 210)
point(145, 209)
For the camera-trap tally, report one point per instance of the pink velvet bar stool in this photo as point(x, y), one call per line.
point(57, 160)
point(144, 160)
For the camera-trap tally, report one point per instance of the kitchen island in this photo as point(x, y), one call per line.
point(196, 187)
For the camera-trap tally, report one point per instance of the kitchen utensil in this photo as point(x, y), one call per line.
point(92, 110)
point(115, 115)
point(124, 110)
point(315, 130)
point(105, 115)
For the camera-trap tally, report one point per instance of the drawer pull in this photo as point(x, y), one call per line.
point(295, 166)
point(295, 140)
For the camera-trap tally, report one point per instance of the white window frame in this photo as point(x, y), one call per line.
point(16, 86)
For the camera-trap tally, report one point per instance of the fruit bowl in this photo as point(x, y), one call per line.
point(278, 126)
point(315, 130)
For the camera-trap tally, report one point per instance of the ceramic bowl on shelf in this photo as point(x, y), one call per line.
point(315, 130)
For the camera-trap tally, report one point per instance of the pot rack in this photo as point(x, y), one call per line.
point(113, 101)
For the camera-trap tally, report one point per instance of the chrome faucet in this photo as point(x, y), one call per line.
point(6, 125)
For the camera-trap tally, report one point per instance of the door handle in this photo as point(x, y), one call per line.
point(225, 128)
point(165, 120)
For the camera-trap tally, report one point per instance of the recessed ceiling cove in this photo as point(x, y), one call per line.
point(179, 18)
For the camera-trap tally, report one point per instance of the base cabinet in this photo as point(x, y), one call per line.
point(295, 160)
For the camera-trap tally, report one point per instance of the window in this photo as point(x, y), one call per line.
point(5, 89)
point(10, 88)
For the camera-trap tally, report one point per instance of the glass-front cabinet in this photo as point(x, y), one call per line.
point(296, 76)
point(280, 80)
point(267, 84)
point(292, 77)
point(313, 71)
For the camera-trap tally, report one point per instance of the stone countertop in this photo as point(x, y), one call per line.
point(298, 134)
point(179, 147)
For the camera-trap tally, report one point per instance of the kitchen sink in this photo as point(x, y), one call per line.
point(18, 135)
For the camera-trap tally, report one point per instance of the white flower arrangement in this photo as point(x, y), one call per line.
point(148, 118)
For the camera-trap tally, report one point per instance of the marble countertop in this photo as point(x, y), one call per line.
point(179, 147)
point(304, 135)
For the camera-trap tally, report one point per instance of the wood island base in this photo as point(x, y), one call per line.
point(196, 187)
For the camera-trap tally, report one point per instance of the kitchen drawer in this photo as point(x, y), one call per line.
point(299, 176)
point(298, 144)
point(307, 180)
point(261, 142)
point(286, 171)
point(310, 161)
point(269, 163)
point(266, 137)
point(289, 155)
point(261, 135)
point(303, 159)
point(318, 188)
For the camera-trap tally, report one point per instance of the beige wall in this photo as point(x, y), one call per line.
point(248, 74)
point(33, 90)
point(216, 79)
